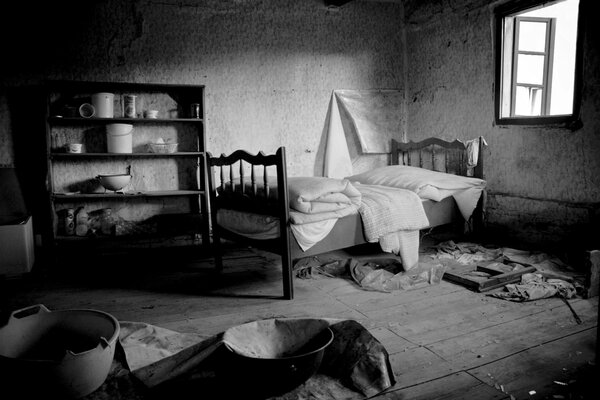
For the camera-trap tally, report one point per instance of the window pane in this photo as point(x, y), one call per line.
point(530, 69)
point(532, 36)
point(528, 101)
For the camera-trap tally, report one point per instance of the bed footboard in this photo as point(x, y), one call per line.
point(254, 184)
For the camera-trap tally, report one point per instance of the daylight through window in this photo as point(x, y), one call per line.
point(537, 60)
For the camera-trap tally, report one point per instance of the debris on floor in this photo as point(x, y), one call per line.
point(535, 286)
point(526, 275)
point(383, 274)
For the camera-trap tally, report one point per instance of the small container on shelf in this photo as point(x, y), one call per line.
point(163, 148)
point(70, 222)
point(195, 110)
point(81, 222)
point(107, 222)
point(129, 106)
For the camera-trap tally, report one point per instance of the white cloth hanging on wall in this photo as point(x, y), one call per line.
point(337, 156)
point(361, 122)
point(473, 153)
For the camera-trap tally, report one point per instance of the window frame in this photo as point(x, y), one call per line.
point(513, 7)
point(548, 54)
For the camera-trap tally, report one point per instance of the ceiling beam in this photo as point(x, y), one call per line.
point(337, 3)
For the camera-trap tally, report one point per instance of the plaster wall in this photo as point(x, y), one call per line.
point(269, 66)
point(543, 182)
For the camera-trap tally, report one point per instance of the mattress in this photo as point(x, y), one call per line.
point(347, 231)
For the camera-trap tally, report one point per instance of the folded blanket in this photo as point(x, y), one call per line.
point(385, 210)
point(314, 199)
point(393, 217)
point(303, 218)
point(314, 195)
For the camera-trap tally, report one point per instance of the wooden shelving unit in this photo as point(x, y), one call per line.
point(166, 185)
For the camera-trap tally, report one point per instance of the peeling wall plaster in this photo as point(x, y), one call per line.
point(269, 66)
point(529, 170)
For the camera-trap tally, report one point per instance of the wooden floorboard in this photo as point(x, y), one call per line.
point(555, 363)
point(460, 385)
point(444, 341)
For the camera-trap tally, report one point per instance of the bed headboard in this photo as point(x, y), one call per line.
point(440, 155)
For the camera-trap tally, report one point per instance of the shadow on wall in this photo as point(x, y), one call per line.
point(26, 105)
point(320, 156)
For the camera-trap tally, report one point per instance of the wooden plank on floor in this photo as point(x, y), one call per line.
point(317, 308)
point(547, 369)
point(418, 365)
point(461, 317)
point(420, 321)
point(366, 301)
point(453, 387)
point(392, 342)
point(493, 343)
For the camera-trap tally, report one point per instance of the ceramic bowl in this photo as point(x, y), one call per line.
point(114, 182)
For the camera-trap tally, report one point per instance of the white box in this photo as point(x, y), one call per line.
point(16, 247)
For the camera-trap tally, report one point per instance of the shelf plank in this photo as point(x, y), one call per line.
point(126, 195)
point(57, 155)
point(140, 238)
point(102, 121)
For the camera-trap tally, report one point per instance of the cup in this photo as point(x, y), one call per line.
point(86, 110)
point(152, 114)
point(74, 147)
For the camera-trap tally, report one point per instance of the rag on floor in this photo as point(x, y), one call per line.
point(534, 286)
point(383, 274)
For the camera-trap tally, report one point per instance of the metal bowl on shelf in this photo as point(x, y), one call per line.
point(114, 182)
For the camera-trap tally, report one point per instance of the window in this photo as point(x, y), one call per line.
point(537, 59)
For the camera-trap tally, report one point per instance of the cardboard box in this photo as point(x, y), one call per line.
point(17, 247)
point(17, 250)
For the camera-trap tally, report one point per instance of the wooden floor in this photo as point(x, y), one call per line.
point(444, 341)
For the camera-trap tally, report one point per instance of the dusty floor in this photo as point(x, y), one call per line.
point(444, 341)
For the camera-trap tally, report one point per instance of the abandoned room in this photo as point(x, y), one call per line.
point(299, 199)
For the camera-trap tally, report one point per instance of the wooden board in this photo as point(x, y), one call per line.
point(485, 277)
point(460, 385)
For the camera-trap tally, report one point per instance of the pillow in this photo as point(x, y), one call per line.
point(401, 177)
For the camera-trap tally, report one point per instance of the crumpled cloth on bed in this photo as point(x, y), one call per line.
point(314, 199)
point(393, 217)
point(355, 364)
point(534, 286)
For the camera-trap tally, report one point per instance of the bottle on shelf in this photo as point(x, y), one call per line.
point(107, 223)
point(81, 222)
point(70, 222)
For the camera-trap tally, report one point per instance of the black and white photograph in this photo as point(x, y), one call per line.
point(299, 199)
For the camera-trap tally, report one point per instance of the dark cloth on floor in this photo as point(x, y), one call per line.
point(384, 274)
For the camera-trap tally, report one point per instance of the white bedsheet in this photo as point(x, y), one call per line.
point(263, 227)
